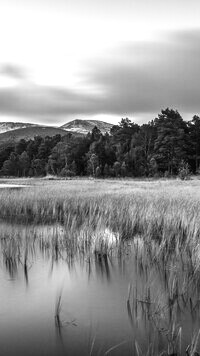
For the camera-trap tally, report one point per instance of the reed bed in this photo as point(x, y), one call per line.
point(155, 222)
point(160, 210)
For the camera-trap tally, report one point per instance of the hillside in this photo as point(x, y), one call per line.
point(85, 126)
point(29, 133)
point(10, 126)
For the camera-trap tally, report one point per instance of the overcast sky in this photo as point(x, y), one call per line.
point(98, 59)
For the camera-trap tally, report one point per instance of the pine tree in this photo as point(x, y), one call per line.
point(170, 144)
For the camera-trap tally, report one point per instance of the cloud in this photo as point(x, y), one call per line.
point(134, 77)
point(147, 76)
point(46, 103)
point(13, 71)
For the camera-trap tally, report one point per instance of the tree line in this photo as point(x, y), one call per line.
point(165, 146)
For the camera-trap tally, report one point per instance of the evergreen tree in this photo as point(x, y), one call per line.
point(20, 146)
point(194, 142)
point(170, 144)
point(95, 134)
point(11, 166)
point(38, 166)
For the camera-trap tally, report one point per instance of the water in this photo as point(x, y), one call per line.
point(12, 186)
point(110, 302)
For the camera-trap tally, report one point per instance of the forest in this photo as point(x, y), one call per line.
point(164, 147)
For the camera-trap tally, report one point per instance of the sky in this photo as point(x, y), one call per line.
point(98, 59)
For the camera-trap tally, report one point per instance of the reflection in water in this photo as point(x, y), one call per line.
point(11, 256)
point(69, 309)
point(102, 265)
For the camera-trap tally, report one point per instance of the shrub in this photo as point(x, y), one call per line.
point(67, 173)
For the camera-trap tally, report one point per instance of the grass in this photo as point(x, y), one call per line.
point(166, 212)
point(163, 210)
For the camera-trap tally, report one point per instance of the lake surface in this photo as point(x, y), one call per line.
point(113, 302)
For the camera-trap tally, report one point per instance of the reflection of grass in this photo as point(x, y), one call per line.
point(174, 350)
point(58, 310)
point(166, 298)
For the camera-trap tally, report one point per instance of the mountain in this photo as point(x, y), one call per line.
point(10, 126)
point(29, 132)
point(85, 126)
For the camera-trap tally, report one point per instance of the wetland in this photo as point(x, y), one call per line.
point(99, 267)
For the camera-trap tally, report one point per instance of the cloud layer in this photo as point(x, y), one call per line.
point(134, 77)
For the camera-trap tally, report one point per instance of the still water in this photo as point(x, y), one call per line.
point(55, 301)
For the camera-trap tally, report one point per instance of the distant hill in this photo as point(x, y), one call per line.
point(85, 126)
point(11, 132)
point(10, 126)
point(29, 133)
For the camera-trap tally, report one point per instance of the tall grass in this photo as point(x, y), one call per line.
point(159, 210)
point(166, 212)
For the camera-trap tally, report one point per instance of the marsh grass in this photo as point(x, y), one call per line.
point(157, 223)
point(164, 309)
point(160, 210)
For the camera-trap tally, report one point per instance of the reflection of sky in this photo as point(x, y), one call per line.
point(90, 58)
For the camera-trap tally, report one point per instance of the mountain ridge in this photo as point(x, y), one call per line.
point(11, 125)
point(29, 132)
point(74, 126)
point(85, 126)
